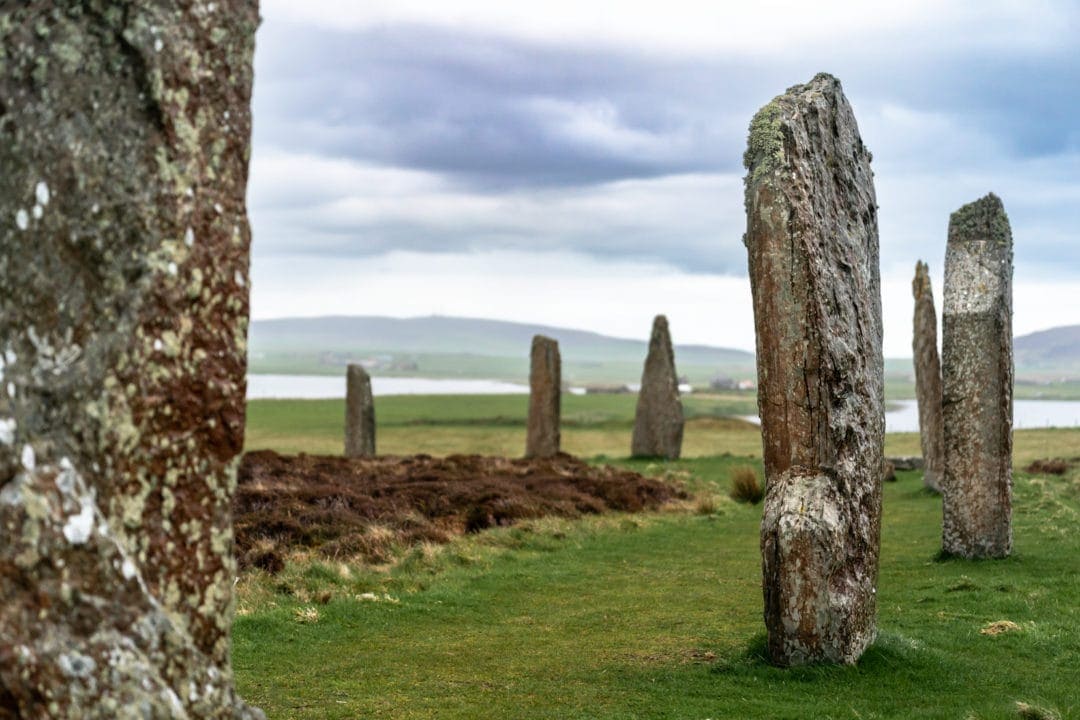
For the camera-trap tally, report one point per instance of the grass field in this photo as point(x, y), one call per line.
point(651, 616)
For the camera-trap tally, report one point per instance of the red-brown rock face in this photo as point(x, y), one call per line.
point(123, 316)
point(813, 248)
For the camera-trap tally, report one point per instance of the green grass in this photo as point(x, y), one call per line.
point(489, 424)
point(659, 615)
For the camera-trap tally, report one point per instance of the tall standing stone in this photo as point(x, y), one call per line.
point(812, 239)
point(658, 422)
point(928, 379)
point(977, 382)
point(545, 379)
point(123, 323)
point(359, 413)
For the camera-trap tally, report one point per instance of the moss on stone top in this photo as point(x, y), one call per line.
point(984, 219)
point(765, 142)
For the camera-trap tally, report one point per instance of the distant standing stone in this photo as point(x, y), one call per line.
point(928, 379)
point(977, 382)
point(545, 378)
point(812, 238)
point(658, 423)
point(359, 413)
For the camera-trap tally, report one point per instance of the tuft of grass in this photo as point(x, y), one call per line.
point(306, 615)
point(999, 627)
point(1034, 712)
point(745, 486)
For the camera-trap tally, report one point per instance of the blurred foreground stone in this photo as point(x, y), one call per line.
point(123, 321)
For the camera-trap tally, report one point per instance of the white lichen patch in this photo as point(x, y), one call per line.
point(80, 527)
point(27, 457)
point(7, 431)
point(37, 211)
point(189, 237)
point(22, 219)
point(976, 277)
point(41, 192)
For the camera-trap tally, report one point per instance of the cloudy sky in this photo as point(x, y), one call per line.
point(578, 162)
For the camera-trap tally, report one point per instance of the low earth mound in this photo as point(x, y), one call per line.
point(365, 507)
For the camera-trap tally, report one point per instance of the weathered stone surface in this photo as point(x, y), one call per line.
point(812, 240)
point(124, 135)
point(977, 382)
point(545, 380)
point(658, 422)
point(359, 413)
point(927, 379)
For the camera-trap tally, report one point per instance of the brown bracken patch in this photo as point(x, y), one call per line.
point(1049, 466)
point(363, 507)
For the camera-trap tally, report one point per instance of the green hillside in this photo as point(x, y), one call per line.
point(467, 348)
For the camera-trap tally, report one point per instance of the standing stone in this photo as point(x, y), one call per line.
point(123, 323)
point(812, 239)
point(359, 414)
point(545, 379)
point(977, 382)
point(928, 379)
point(658, 423)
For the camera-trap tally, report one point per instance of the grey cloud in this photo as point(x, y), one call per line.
point(493, 117)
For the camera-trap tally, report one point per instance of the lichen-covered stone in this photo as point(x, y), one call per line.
point(658, 422)
point(124, 136)
point(359, 413)
point(927, 379)
point(977, 382)
point(812, 240)
point(545, 381)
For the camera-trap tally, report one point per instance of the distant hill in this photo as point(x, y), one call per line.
point(1054, 349)
point(464, 347)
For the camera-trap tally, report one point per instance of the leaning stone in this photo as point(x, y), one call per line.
point(123, 319)
point(977, 382)
point(812, 239)
point(359, 413)
point(928, 379)
point(658, 422)
point(888, 470)
point(542, 439)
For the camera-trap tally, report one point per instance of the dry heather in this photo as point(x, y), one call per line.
point(368, 507)
point(745, 486)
